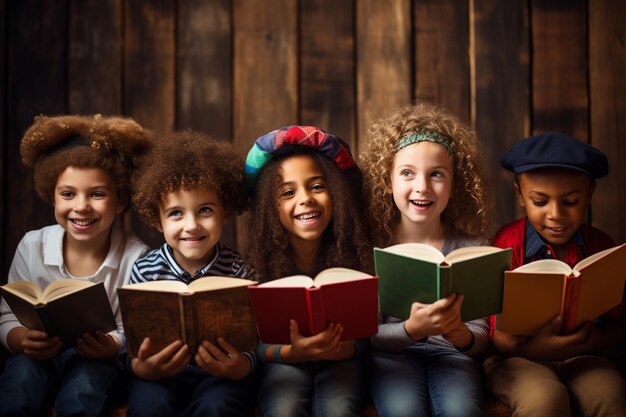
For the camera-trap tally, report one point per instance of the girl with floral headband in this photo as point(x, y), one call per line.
point(82, 167)
point(306, 212)
point(425, 184)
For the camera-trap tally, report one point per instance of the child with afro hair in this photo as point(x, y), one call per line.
point(82, 166)
point(187, 187)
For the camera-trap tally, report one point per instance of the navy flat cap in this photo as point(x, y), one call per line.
point(555, 150)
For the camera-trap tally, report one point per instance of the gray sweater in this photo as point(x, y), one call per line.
point(392, 336)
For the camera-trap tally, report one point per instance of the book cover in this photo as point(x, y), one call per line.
point(415, 272)
point(537, 292)
point(338, 295)
point(166, 311)
point(65, 308)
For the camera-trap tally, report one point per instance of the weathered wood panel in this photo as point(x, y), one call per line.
point(204, 74)
point(4, 256)
point(149, 76)
point(559, 67)
point(36, 74)
point(384, 59)
point(327, 84)
point(265, 73)
point(204, 67)
point(500, 112)
point(149, 63)
point(607, 69)
point(94, 67)
point(441, 54)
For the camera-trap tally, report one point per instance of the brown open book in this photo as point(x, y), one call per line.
point(66, 308)
point(166, 311)
point(537, 292)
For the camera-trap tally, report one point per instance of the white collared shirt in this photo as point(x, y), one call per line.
point(39, 258)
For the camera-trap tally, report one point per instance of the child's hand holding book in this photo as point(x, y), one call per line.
point(440, 317)
point(224, 361)
point(325, 345)
point(167, 362)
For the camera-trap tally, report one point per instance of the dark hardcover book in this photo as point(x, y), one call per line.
point(65, 308)
point(166, 311)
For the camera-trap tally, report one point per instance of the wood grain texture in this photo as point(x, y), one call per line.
point(36, 84)
point(149, 63)
point(384, 60)
point(204, 74)
point(204, 67)
point(607, 66)
point(4, 256)
point(149, 77)
point(327, 83)
point(265, 74)
point(500, 89)
point(559, 67)
point(441, 54)
point(94, 67)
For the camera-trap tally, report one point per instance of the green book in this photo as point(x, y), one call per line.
point(411, 272)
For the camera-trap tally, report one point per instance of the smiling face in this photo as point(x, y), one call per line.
point(86, 204)
point(421, 183)
point(305, 206)
point(192, 223)
point(555, 201)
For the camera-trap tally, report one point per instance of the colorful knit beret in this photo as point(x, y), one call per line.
point(293, 139)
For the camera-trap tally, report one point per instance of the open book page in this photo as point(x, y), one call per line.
point(417, 251)
point(63, 287)
point(596, 256)
point(335, 275)
point(26, 290)
point(293, 281)
point(160, 286)
point(470, 252)
point(218, 283)
point(545, 266)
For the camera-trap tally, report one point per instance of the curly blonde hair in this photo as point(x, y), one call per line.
point(466, 213)
point(184, 161)
point(113, 144)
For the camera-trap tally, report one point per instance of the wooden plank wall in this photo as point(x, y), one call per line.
point(238, 69)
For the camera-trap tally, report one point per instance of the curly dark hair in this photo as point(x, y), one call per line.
point(113, 144)
point(345, 241)
point(466, 212)
point(184, 161)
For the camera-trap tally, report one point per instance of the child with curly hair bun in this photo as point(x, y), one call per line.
point(425, 184)
point(82, 166)
point(187, 187)
point(305, 218)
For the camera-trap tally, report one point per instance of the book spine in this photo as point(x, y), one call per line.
point(316, 308)
point(445, 280)
point(571, 301)
point(46, 321)
point(187, 322)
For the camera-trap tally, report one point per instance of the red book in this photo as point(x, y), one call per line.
point(335, 295)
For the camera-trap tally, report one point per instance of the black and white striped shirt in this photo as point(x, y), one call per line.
point(159, 264)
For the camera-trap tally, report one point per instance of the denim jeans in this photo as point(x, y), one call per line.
point(82, 386)
point(191, 393)
point(426, 380)
point(322, 388)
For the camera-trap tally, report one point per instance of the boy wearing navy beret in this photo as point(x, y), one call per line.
point(554, 181)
